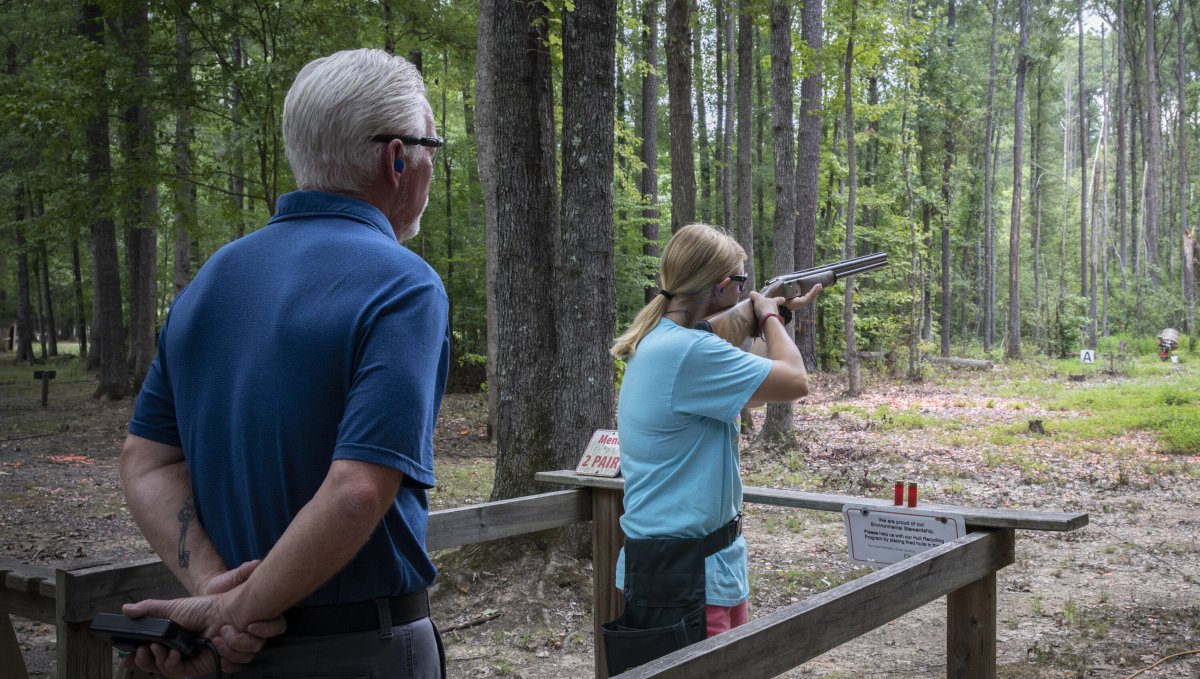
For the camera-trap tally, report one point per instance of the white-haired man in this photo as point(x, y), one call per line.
point(286, 426)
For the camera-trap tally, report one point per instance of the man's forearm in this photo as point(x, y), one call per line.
point(158, 493)
point(325, 535)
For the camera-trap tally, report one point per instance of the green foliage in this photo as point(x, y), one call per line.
point(1171, 411)
point(919, 94)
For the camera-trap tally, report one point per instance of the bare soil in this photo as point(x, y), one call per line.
point(1105, 601)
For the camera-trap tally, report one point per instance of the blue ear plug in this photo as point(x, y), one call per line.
point(399, 165)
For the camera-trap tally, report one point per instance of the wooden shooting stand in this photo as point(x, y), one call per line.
point(964, 571)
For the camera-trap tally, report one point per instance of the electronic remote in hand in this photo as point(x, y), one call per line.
point(129, 633)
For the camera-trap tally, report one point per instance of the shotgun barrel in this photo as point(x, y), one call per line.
point(738, 324)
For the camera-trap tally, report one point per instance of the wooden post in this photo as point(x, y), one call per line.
point(607, 538)
point(12, 665)
point(45, 376)
point(971, 627)
point(80, 654)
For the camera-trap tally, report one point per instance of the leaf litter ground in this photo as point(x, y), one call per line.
point(1104, 601)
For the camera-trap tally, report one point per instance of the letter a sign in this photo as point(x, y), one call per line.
point(1087, 356)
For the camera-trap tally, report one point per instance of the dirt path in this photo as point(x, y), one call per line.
point(1104, 601)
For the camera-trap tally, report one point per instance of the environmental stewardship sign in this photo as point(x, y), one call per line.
point(880, 536)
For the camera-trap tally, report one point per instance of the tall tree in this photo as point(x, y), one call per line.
point(1182, 144)
point(989, 236)
point(1151, 211)
point(515, 100)
point(108, 335)
point(778, 421)
point(1122, 196)
point(184, 217)
point(704, 149)
point(947, 165)
point(1013, 349)
point(141, 231)
point(745, 114)
point(649, 134)
point(25, 322)
point(727, 135)
point(808, 167)
point(1083, 130)
point(679, 102)
point(854, 383)
point(584, 274)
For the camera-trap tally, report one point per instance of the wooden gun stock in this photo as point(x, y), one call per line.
point(738, 324)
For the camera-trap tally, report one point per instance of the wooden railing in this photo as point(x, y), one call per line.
point(69, 598)
point(963, 570)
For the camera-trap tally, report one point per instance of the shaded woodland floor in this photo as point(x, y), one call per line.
point(1104, 601)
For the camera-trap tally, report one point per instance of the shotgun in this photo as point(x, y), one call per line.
point(738, 324)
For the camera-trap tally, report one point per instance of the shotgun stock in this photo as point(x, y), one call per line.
point(738, 324)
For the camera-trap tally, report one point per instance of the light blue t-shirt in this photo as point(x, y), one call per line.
point(677, 421)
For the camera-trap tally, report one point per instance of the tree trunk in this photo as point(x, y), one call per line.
point(24, 290)
point(237, 174)
point(185, 196)
point(77, 279)
point(108, 338)
point(649, 134)
point(515, 99)
point(1186, 268)
point(1152, 208)
point(989, 236)
point(727, 166)
point(49, 328)
point(1104, 246)
point(704, 148)
point(141, 231)
point(808, 169)
point(586, 317)
point(1122, 189)
point(778, 423)
point(1083, 130)
point(854, 382)
point(1036, 176)
point(745, 121)
point(679, 101)
point(1013, 349)
point(947, 166)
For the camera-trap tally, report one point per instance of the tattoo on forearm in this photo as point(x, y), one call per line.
point(186, 513)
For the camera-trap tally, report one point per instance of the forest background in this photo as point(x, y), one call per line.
point(959, 136)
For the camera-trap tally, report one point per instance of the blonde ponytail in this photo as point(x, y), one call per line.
point(697, 256)
point(647, 318)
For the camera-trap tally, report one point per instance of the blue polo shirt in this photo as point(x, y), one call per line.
point(677, 421)
point(316, 338)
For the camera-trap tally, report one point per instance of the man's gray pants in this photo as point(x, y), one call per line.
point(413, 651)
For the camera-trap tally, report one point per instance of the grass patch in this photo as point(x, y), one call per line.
point(1171, 411)
point(462, 483)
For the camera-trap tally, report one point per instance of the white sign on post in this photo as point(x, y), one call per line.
point(880, 536)
point(602, 456)
point(1087, 356)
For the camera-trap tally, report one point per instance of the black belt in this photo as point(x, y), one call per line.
point(723, 536)
point(358, 617)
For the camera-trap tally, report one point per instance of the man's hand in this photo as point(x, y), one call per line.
point(209, 615)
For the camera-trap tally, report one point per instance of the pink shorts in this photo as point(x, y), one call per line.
point(724, 618)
